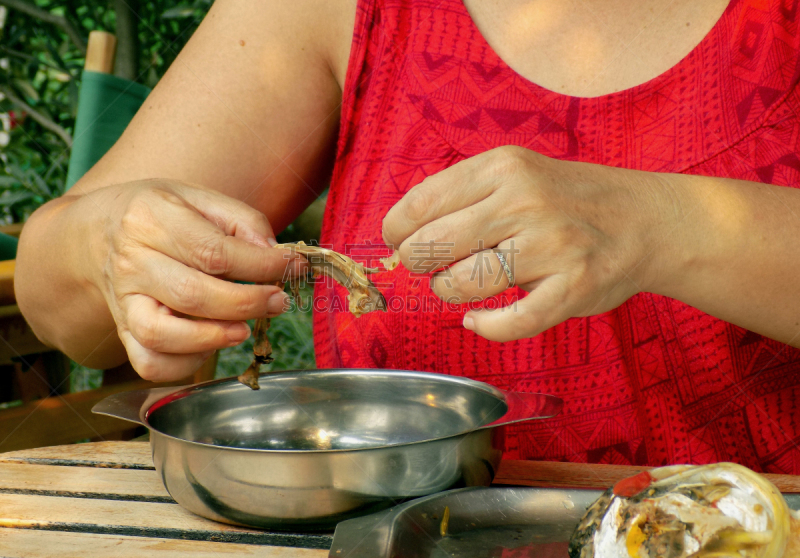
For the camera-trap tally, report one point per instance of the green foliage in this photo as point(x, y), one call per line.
point(82, 378)
point(290, 336)
point(43, 71)
point(165, 28)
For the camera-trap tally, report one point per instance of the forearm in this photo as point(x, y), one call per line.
point(53, 288)
point(734, 252)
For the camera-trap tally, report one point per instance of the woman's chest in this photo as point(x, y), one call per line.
point(593, 48)
point(428, 88)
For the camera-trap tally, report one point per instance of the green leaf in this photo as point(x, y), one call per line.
point(72, 91)
point(9, 198)
point(178, 12)
point(26, 89)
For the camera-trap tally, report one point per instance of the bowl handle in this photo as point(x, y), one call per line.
point(527, 406)
point(131, 405)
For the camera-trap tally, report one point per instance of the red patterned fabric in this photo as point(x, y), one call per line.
point(652, 382)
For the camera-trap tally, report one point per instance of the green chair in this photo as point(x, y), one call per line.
point(8, 247)
point(106, 105)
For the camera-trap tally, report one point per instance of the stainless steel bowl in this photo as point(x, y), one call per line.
point(312, 448)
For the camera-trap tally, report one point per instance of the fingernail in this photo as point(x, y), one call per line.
point(237, 332)
point(469, 323)
point(271, 241)
point(278, 303)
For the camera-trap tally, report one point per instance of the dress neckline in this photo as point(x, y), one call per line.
point(653, 82)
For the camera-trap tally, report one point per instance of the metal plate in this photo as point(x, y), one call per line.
point(484, 523)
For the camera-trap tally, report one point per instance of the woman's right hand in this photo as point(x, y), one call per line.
point(165, 262)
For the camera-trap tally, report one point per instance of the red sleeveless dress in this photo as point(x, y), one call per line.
point(654, 381)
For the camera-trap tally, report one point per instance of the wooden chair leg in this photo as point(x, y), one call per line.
point(8, 390)
point(37, 376)
point(58, 367)
point(207, 371)
point(30, 382)
point(119, 375)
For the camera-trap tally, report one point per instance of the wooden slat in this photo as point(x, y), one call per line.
point(118, 455)
point(146, 519)
point(100, 52)
point(9, 310)
point(582, 475)
point(562, 475)
point(60, 420)
point(7, 268)
point(14, 229)
point(23, 543)
point(84, 482)
point(17, 338)
point(510, 472)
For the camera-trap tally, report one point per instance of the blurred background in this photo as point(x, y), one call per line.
point(42, 53)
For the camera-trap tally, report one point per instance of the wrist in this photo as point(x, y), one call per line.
point(667, 251)
point(72, 227)
point(54, 284)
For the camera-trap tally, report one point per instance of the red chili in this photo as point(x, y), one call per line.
point(627, 488)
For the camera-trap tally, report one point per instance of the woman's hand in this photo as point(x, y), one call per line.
point(578, 237)
point(162, 263)
point(249, 109)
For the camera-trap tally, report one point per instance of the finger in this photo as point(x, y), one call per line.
point(155, 328)
point(233, 216)
point(177, 230)
point(482, 275)
point(161, 367)
point(457, 236)
point(475, 278)
point(545, 306)
point(457, 187)
point(192, 292)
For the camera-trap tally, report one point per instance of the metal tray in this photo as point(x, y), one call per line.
point(483, 523)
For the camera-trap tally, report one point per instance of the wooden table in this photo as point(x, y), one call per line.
point(106, 500)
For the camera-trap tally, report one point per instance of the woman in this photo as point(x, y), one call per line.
point(628, 160)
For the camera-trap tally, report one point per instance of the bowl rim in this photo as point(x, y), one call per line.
point(499, 394)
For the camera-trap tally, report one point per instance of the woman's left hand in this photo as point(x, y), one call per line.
point(580, 238)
